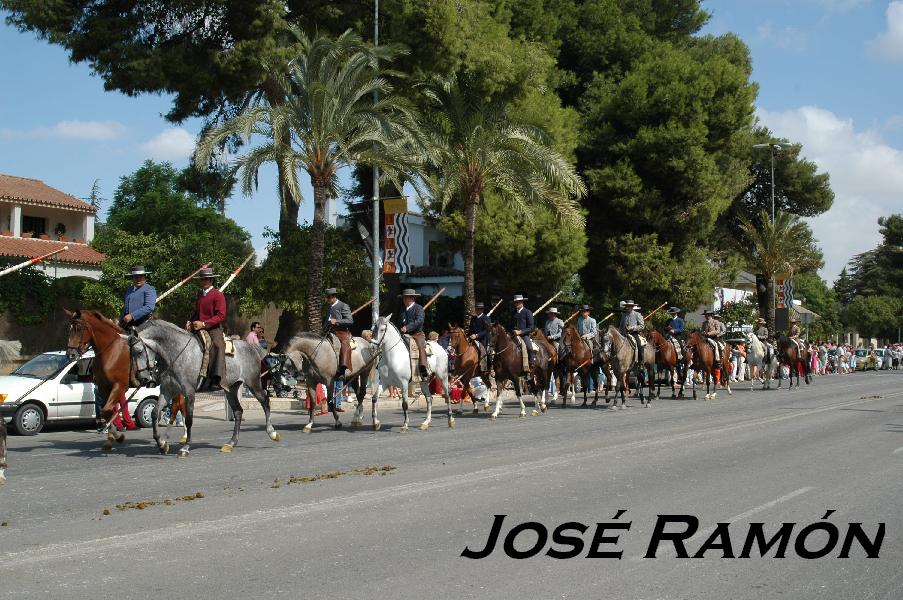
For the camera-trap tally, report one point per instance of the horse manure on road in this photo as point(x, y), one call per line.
point(365, 472)
point(870, 397)
point(141, 505)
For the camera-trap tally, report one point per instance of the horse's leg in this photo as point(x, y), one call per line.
point(448, 402)
point(404, 405)
point(158, 410)
point(727, 380)
point(237, 413)
point(189, 420)
point(518, 391)
point(2, 450)
point(499, 388)
point(375, 396)
point(360, 392)
point(310, 409)
point(428, 394)
point(330, 402)
point(264, 400)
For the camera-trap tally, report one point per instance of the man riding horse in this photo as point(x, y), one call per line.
point(762, 333)
point(554, 327)
point(674, 327)
point(712, 330)
point(339, 321)
point(140, 299)
point(478, 331)
point(795, 333)
point(411, 319)
point(632, 323)
point(209, 315)
point(524, 324)
point(588, 328)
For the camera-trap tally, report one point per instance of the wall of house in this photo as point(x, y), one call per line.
point(75, 222)
point(60, 270)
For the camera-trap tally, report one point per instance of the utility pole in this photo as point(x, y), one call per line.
point(772, 148)
point(376, 266)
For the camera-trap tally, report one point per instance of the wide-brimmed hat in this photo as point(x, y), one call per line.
point(206, 273)
point(761, 320)
point(626, 303)
point(708, 311)
point(673, 310)
point(330, 292)
point(552, 310)
point(519, 298)
point(138, 270)
point(409, 292)
point(794, 320)
point(585, 307)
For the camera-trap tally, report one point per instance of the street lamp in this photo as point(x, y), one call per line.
point(376, 266)
point(775, 146)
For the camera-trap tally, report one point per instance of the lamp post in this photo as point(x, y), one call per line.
point(376, 268)
point(776, 146)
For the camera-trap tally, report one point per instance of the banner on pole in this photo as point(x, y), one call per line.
point(396, 236)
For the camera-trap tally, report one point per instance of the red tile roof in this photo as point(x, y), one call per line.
point(33, 191)
point(30, 248)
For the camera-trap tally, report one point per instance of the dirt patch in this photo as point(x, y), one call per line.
point(142, 504)
point(870, 397)
point(364, 472)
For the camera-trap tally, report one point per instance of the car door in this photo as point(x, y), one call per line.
point(75, 392)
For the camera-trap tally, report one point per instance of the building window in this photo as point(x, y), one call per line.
point(36, 225)
point(440, 256)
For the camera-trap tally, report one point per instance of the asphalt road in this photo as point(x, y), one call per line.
point(769, 457)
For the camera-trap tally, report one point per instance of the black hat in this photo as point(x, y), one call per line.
point(206, 273)
point(409, 292)
point(628, 303)
point(479, 305)
point(138, 270)
point(519, 298)
point(586, 307)
point(708, 311)
point(673, 310)
point(330, 292)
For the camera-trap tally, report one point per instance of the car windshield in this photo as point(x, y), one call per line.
point(860, 353)
point(42, 366)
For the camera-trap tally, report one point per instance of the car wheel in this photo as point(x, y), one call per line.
point(29, 420)
point(144, 414)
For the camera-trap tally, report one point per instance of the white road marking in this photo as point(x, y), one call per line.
point(294, 513)
point(762, 507)
point(898, 450)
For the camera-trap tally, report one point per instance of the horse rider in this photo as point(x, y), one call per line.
point(554, 327)
point(478, 330)
point(762, 330)
point(795, 333)
point(339, 320)
point(140, 299)
point(632, 323)
point(675, 326)
point(209, 315)
point(587, 328)
point(411, 319)
point(711, 330)
point(524, 324)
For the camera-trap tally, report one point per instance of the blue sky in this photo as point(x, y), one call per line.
point(828, 74)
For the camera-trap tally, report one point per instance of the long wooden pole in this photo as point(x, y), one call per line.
point(434, 298)
point(31, 261)
point(661, 306)
point(573, 314)
point(362, 307)
point(235, 273)
point(497, 304)
point(182, 282)
point(548, 302)
point(607, 317)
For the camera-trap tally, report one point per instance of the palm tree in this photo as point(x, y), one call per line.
point(322, 118)
point(479, 149)
point(783, 246)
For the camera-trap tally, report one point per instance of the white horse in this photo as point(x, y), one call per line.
point(394, 368)
point(755, 358)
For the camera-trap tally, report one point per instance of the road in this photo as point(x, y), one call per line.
point(768, 457)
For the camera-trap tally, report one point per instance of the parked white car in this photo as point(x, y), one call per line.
point(67, 395)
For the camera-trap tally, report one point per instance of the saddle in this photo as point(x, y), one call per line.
point(632, 338)
point(414, 351)
point(525, 357)
point(678, 348)
point(336, 343)
point(483, 353)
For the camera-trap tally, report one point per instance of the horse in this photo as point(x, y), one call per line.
point(576, 356)
point(509, 367)
point(793, 356)
point(700, 357)
point(317, 357)
point(9, 351)
point(112, 365)
point(167, 354)
point(467, 364)
point(666, 359)
point(759, 357)
point(623, 359)
point(394, 368)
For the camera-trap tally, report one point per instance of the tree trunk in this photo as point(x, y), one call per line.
point(315, 284)
point(769, 294)
point(470, 216)
point(288, 207)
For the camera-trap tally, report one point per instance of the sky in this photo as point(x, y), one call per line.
point(828, 74)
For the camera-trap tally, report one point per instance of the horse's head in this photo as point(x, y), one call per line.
point(145, 360)
point(379, 330)
point(457, 339)
point(78, 335)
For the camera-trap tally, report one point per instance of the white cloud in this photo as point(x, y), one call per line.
point(866, 176)
point(889, 44)
point(172, 144)
point(92, 131)
point(786, 38)
point(841, 5)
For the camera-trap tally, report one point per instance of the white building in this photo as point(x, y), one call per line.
point(431, 265)
point(36, 219)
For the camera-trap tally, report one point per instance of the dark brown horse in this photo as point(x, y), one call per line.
point(700, 357)
point(796, 358)
point(467, 364)
point(509, 367)
point(576, 358)
point(666, 361)
point(2, 450)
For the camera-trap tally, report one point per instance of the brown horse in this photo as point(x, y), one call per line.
point(700, 357)
point(624, 360)
point(666, 360)
point(509, 367)
point(467, 365)
point(796, 358)
point(576, 357)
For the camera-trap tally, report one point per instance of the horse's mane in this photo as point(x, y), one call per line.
point(97, 316)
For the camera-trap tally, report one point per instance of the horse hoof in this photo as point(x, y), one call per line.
point(493, 417)
point(338, 425)
point(227, 448)
point(184, 439)
point(120, 438)
point(523, 415)
point(356, 424)
point(308, 428)
point(648, 404)
point(534, 413)
point(377, 425)
point(183, 453)
point(476, 411)
point(424, 426)
point(486, 408)
point(404, 428)
point(544, 408)
point(275, 436)
point(164, 449)
point(451, 423)
point(2, 478)
point(107, 447)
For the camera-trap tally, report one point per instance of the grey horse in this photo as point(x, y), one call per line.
point(623, 360)
point(166, 352)
point(318, 358)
